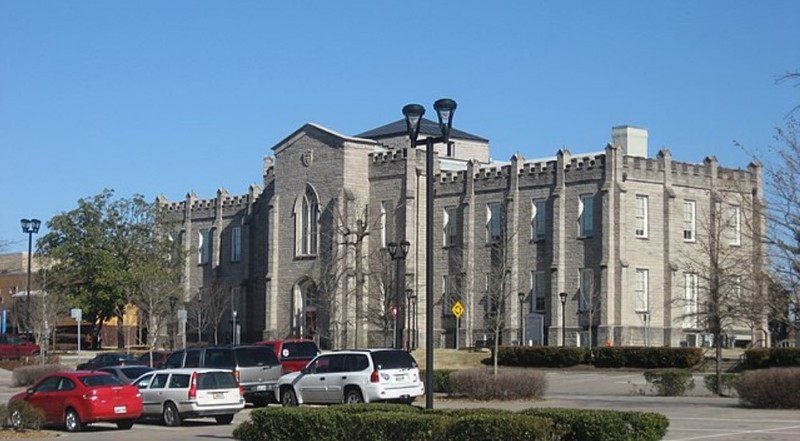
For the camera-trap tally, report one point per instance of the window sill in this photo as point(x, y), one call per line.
point(538, 240)
point(588, 236)
point(643, 237)
point(305, 257)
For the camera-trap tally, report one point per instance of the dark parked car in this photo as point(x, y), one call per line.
point(294, 353)
point(108, 359)
point(156, 361)
point(255, 367)
point(127, 373)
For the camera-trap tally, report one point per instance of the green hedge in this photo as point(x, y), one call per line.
point(541, 356)
point(608, 425)
point(441, 380)
point(614, 357)
point(670, 382)
point(397, 422)
point(762, 358)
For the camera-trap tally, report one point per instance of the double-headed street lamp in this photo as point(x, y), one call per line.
point(445, 108)
point(30, 227)
point(398, 253)
point(563, 297)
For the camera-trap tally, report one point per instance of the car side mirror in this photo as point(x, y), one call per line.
point(305, 371)
point(29, 391)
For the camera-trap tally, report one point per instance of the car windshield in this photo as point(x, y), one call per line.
point(299, 350)
point(101, 380)
point(393, 360)
point(256, 356)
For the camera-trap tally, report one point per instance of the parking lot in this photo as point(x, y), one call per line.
point(698, 416)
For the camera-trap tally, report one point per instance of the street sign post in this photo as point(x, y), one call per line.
point(458, 311)
point(77, 314)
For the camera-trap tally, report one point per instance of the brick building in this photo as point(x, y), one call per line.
point(303, 254)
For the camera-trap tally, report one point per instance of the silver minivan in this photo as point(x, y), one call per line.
point(175, 394)
point(255, 367)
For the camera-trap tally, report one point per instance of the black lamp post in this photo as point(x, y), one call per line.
point(563, 297)
point(30, 227)
point(521, 296)
point(412, 317)
point(445, 108)
point(398, 253)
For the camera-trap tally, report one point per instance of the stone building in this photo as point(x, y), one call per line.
point(618, 232)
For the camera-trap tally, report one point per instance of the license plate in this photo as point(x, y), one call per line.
point(261, 388)
point(218, 395)
point(120, 409)
point(399, 378)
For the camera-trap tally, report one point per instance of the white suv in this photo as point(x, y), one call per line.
point(175, 394)
point(353, 376)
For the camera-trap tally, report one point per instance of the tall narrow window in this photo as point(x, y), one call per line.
point(449, 294)
point(641, 288)
point(734, 225)
point(688, 220)
point(450, 226)
point(307, 223)
point(538, 219)
point(690, 309)
point(538, 290)
point(586, 215)
point(494, 218)
point(492, 291)
point(641, 216)
point(586, 299)
point(236, 244)
point(387, 223)
point(204, 246)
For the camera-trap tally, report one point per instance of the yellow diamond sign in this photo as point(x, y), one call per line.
point(457, 309)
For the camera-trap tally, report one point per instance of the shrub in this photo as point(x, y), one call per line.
point(587, 424)
point(498, 426)
point(10, 365)
point(508, 384)
point(541, 356)
point(27, 375)
point(21, 415)
point(774, 388)
point(441, 380)
point(670, 382)
point(647, 357)
point(728, 383)
point(762, 358)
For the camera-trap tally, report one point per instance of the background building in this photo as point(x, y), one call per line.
point(624, 235)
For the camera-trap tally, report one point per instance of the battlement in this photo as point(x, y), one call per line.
point(391, 155)
point(585, 163)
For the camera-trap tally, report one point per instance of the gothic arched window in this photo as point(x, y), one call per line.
point(306, 223)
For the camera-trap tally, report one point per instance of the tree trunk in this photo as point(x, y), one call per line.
point(718, 350)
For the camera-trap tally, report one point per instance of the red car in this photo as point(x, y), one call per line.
point(293, 353)
point(17, 346)
point(78, 398)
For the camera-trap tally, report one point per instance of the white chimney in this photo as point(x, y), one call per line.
point(633, 140)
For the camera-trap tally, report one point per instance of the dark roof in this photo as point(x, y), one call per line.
point(427, 128)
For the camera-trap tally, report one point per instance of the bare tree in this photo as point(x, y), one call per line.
point(722, 273)
point(208, 307)
point(381, 296)
point(783, 220)
point(46, 309)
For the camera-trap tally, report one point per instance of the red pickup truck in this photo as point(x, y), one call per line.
point(294, 354)
point(16, 347)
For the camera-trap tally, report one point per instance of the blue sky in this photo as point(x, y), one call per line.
point(156, 97)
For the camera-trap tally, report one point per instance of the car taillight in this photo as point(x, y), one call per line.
point(236, 375)
point(375, 377)
point(193, 386)
point(241, 391)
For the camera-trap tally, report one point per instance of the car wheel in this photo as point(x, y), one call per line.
point(224, 419)
point(288, 397)
point(16, 419)
point(171, 417)
point(72, 421)
point(352, 396)
point(124, 424)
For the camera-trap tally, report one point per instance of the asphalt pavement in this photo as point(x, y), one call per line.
point(697, 416)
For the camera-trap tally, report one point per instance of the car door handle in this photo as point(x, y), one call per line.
point(344, 377)
point(321, 378)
